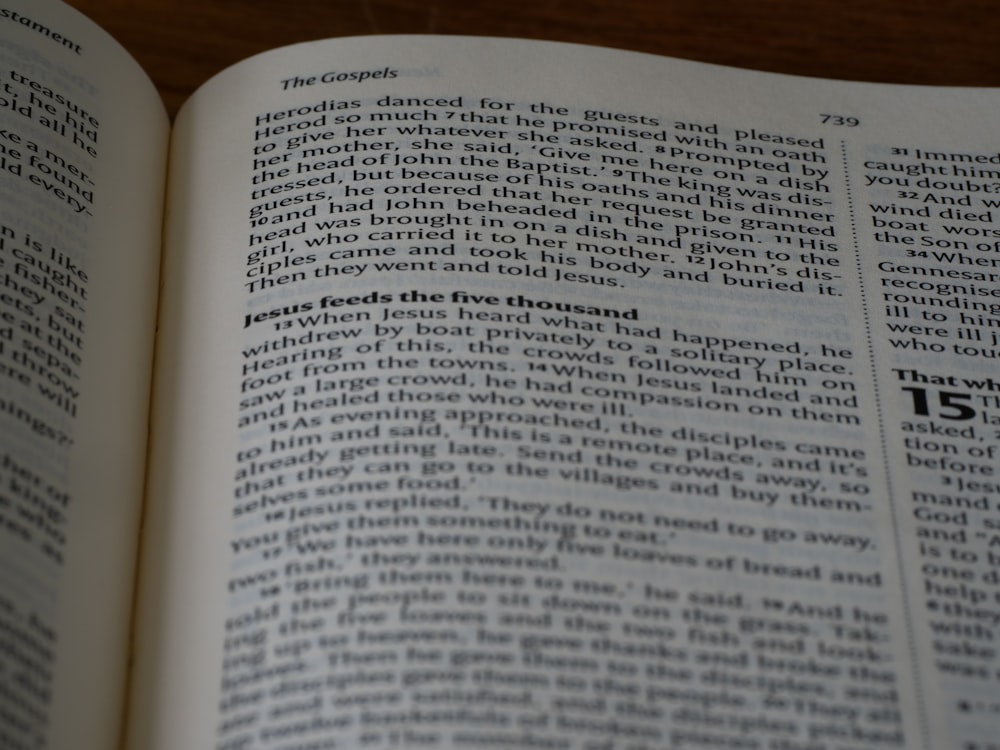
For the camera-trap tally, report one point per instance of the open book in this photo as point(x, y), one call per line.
point(504, 394)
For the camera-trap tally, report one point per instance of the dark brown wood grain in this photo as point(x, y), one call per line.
point(181, 43)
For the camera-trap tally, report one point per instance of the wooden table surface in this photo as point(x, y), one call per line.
point(181, 43)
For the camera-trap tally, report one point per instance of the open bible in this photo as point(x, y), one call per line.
point(463, 393)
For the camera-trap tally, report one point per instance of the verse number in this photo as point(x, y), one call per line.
point(848, 122)
point(950, 405)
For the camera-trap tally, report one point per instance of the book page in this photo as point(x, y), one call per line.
point(82, 153)
point(533, 396)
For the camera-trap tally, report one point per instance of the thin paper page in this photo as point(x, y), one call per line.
point(555, 393)
point(82, 156)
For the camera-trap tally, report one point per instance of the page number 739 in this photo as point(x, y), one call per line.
point(844, 120)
